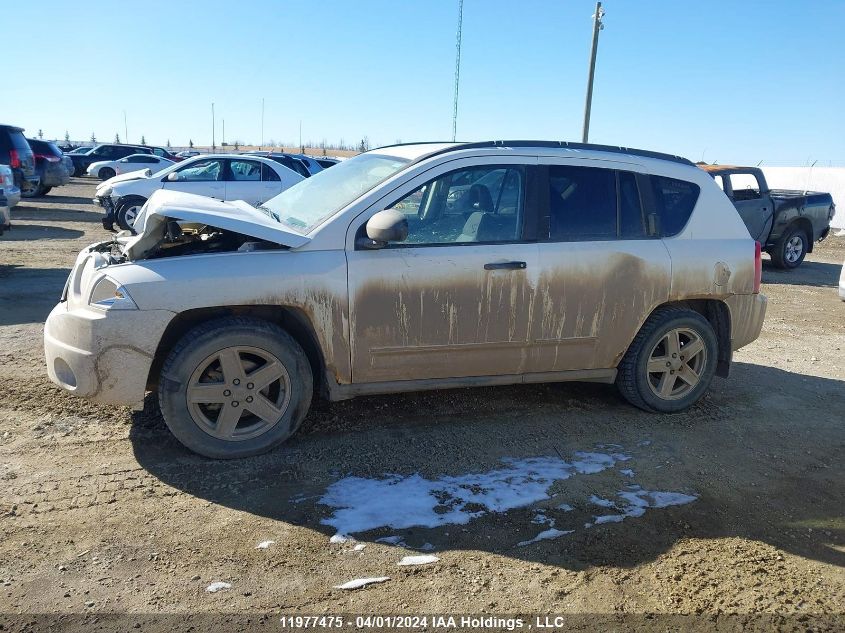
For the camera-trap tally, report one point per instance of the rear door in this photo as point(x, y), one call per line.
point(601, 270)
point(205, 177)
point(453, 299)
point(244, 181)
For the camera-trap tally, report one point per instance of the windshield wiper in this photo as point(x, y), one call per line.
point(269, 212)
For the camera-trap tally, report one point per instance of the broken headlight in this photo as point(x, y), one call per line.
point(107, 295)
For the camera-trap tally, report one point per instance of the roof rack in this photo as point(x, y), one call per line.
point(614, 149)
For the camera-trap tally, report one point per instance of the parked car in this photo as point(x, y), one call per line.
point(163, 152)
point(106, 169)
point(325, 163)
point(16, 153)
point(187, 154)
point(5, 211)
point(53, 168)
point(84, 149)
point(583, 263)
point(787, 223)
point(222, 176)
point(8, 189)
point(284, 159)
point(311, 163)
point(106, 151)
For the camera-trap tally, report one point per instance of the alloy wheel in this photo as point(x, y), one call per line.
point(676, 364)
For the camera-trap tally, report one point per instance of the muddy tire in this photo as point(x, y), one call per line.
point(790, 249)
point(105, 173)
point(127, 211)
point(33, 192)
point(235, 387)
point(670, 362)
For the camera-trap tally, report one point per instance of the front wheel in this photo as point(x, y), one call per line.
point(670, 363)
point(235, 387)
point(790, 249)
point(127, 212)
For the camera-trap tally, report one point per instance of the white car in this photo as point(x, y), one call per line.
point(413, 267)
point(105, 169)
point(222, 176)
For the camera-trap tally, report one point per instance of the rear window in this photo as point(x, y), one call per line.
point(44, 147)
point(675, 200)
point(19, 141)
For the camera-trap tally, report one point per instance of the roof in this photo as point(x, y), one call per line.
point(426, 150)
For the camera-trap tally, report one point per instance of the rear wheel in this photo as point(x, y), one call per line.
point(235, 387)
point(128, 210)
point(29, 190)
point(105, 173)
point(790, 249)
point(670, 363)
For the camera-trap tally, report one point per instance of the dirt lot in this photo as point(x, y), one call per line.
point(102, 511)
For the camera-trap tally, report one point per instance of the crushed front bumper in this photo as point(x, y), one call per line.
point(103, 356)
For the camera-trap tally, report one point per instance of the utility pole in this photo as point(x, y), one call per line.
point(300, 135)
point(212, 128)
point(125, 129)
point(588, 104)
point(262, 124)
point(224, 133)
point(457, 68)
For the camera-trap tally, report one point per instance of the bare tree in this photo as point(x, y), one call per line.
point(117, 138)
point(93, 138)
point(168, 143)
point(143, 140)
point(190, 144)
point(67, 136)
point(40, 133)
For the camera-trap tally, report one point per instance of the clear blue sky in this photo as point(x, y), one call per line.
point(729, 81)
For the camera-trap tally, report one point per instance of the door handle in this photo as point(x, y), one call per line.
point(506, 266)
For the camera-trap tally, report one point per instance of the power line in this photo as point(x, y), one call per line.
point(457, 68)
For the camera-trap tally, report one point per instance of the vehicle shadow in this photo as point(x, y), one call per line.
point(761, 452)
point(21, 232)
point(60, 199)
point(28, 294)
point(818, 274)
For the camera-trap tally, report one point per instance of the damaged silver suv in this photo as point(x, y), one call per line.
point(412, 267)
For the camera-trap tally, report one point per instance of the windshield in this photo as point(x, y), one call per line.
point(311, 201)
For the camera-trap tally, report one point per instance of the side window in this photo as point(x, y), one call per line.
point(745, 187)
point(202, 171)
point(720, 180)
point(481, 204)
point(158, 151)
point(632, 224)
point(675, 200)
point(245, 170)
point(104, 151)
point(268, 174)
point(582, 203)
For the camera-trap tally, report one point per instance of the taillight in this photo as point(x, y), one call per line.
point(52, 159)
point(14, 159)
point(758, 266)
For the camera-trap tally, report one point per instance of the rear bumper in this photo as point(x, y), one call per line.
point(842, 283)
point(747, 315)
point(12, 195)
point(55, 175)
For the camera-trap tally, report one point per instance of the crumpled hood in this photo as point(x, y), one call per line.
point(237, 216)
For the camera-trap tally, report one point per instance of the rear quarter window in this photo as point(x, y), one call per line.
point(675, 200)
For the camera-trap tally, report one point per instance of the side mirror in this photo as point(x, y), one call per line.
point(173, 176)
point(387, 226)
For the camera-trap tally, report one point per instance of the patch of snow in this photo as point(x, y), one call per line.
point(418, 560)
point(396, 539)
point(644, 443)
point(604, 503)
point(398, 502)
point(340, 538)
point(362, 582)
point(426, 547)
point(264, 544)
point(627, 472)
point(541, 518)
point(565, 507)
point(359, 547)
point(637, 501)
point(545, 535)
point(218, 586)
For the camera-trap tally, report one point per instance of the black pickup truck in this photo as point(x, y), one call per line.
point(787, 223)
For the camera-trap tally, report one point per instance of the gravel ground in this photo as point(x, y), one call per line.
point(102, 511)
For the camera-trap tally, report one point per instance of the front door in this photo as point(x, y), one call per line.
point(205, 178)
point(453, 299)
point(753, 205)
